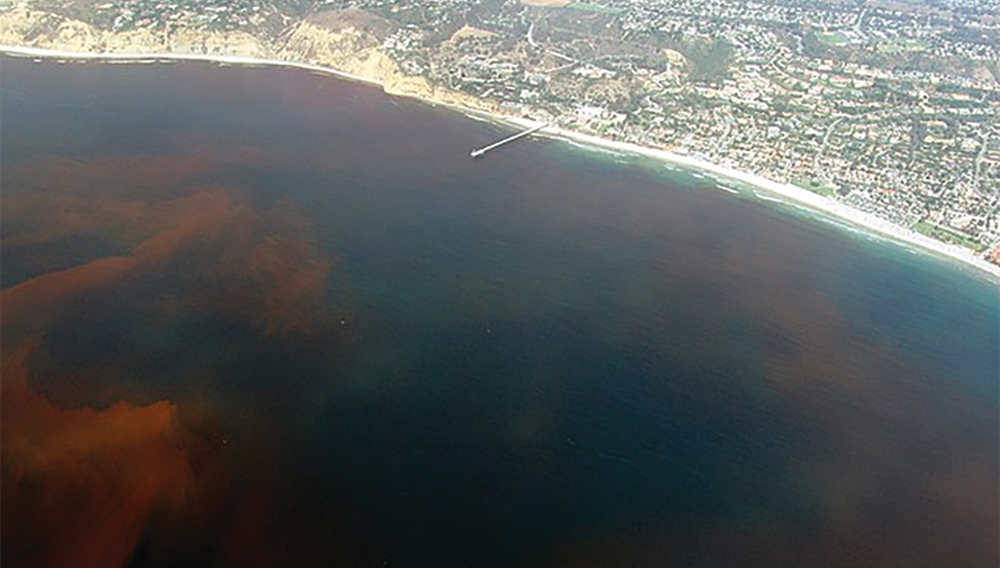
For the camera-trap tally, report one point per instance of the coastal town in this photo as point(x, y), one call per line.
point(889, 108)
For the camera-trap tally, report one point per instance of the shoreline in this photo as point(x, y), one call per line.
point(796, 195)
point(24, 51)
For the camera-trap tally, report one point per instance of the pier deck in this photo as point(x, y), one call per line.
point(480, 151)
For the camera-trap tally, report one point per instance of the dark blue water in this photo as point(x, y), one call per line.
point(382, 352)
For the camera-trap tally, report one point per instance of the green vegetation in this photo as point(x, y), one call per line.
point(947, 235)
point(823, 188)
point(831, 38)
point(587, 7)
point(902, 45)
point(899, 103)
point(712, 61)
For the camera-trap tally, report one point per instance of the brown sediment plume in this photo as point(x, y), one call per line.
point(33, 305)
point(80, 485)
point(903, 481)
point(83, 486)
point(263, 267)
point(127, 199)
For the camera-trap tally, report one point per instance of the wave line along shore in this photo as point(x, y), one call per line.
point(813, 201)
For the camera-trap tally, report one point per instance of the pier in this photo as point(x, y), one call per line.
point(480, 151)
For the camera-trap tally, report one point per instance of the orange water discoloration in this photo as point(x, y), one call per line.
point(83, 486)
point(880, 502)
point(80, 485)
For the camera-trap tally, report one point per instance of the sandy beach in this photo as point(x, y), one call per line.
point(794, 195)
point(140, 57)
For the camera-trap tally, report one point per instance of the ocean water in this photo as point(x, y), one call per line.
point(264, 317)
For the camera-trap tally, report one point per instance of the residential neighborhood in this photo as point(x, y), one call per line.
point(891, 108)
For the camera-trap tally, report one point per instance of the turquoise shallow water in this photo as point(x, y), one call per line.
point(381, 352)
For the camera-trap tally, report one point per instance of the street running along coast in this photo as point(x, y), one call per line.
point(813, 201)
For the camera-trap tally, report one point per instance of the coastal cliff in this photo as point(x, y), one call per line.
point(355, 51)
point(364, 45)
point(44, 30)
point(347, 47)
